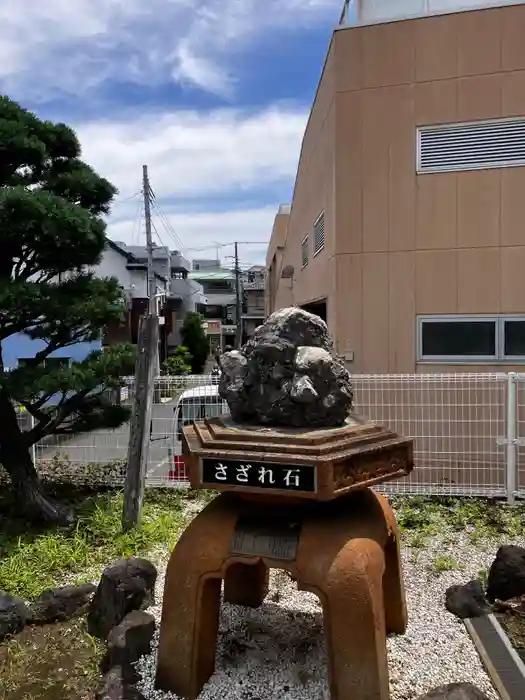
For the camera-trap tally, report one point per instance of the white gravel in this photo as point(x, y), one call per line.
point(277, 652)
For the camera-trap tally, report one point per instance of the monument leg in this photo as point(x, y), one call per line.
point(396, 615)
point(353, 610)
point(246, 584)
point(191, 604)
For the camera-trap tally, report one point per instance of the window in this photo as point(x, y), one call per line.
point(51, 362)
point(471, 338)
point(498, 143)
point(304, 251)
point(56, 362)
point(319, 234)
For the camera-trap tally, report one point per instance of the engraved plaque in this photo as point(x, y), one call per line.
point(251, 474)
point(262, 537)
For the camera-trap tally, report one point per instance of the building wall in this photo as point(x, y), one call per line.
point(400, 244)
point(408, 244)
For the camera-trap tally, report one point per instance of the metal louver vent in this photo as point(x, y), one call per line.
point(319, 234)
point(499, 143)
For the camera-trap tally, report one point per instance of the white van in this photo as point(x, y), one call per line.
point(193, 404)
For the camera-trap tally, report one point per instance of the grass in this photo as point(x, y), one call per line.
point(60, 662)
point(32, 560)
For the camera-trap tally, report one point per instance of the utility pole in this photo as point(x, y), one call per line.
point(238, 303)
point(149, 241)
point(146, 370)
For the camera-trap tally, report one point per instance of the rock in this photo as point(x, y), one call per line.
point(455, 691)
point(127, 585)
point(58, 604)
point(467, 601)
point(506, 578)
point(13, 615)
point(114, 687)
point(127, 642)
point(287, 374)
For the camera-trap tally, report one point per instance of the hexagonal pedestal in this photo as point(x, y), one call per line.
point(293, 463)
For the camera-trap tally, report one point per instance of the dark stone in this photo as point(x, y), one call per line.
point(114, 687)
point(287, 374)
point(467, 601)
point(58, 604)
point(455, 691)
point(127, 642)
point(127, 585)
point(506, 578)
point(13, 615)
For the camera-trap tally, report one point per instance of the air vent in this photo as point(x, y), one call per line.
point(499, 143)
point(319, 234)
point(304, 251)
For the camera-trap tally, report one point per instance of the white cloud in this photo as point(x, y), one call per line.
point(193, 155)
point(194, 160)
point(200, 232)
point(64, 46)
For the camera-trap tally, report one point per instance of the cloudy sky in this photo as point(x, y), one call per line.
point(212, 94)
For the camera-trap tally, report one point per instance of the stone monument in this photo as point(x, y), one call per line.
point(294, 467)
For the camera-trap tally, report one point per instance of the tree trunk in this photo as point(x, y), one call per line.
point(16, 459)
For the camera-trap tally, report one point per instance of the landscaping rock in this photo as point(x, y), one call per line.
point(506, 578)
point(59, 604)
point(467, 601)
point(127, 642)
point(455, 691)
point(13, 615)
point(114, 687)
point(287, 374)
point(127, 585)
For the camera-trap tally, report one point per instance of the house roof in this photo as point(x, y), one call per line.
point(217, 275)
point(131, 260)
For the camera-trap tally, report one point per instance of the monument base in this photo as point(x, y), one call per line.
point(345, 551)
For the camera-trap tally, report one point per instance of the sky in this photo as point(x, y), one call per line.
point(213, 95)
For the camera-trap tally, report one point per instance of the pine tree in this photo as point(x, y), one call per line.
point(53, 234)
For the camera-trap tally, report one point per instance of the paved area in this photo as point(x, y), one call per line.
point(108, 446)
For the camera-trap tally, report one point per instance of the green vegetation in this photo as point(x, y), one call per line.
point(179, 363)
point(195, 340)
point(32, 560)
point(52, 208)
point(420, 518)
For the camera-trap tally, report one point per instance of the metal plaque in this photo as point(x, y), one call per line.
point(261, 537)
point(266, 475)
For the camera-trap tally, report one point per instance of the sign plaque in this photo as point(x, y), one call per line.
point(265, 475)
point(262, 537)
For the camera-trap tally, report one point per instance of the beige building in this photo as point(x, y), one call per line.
point(407, 225)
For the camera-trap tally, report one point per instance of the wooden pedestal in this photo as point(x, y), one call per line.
point(346, 552)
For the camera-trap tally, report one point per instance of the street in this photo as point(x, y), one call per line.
point(103, 447)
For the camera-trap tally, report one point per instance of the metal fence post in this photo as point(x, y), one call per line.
point(33, 446)
point(511, 441)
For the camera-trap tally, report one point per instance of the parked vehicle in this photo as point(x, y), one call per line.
point(193, 404)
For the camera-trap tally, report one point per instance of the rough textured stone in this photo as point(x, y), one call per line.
point(64, 603)
point(125, 586)
point(114, 687)
point(467, 601)
point(13, 615)
point(127, 642)
point(455, 691)
point(287, 375)
point(506, 578)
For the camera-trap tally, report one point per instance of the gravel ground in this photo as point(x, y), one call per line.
point(278, 652)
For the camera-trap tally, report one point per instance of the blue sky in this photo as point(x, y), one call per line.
point(212, 94)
